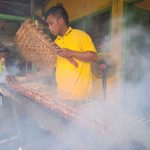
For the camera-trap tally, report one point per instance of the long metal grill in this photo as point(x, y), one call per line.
point(103, 121)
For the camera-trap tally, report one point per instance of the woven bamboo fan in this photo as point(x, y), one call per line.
point(34, 45)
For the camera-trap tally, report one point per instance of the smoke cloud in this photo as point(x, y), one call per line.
point(115, 123)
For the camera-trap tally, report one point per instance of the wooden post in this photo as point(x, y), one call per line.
point(117, 33)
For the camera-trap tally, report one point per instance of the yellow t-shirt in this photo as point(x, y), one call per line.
point(74, 83)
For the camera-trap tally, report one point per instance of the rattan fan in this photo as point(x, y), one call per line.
point(34, 45)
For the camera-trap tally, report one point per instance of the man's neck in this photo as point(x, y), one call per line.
point(64, 30)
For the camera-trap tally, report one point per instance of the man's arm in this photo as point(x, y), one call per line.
point(87, 56)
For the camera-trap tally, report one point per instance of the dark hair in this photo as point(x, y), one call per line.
point(58, 11)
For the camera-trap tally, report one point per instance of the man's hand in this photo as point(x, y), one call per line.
point(64, 52)
point(87, 56)
point(68, 54)
point(54, 47)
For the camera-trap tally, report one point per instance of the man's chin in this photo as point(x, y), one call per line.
point(54, 33)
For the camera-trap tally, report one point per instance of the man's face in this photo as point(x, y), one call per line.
point(54, 25)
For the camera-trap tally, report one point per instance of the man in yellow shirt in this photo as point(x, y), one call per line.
point(73, 68)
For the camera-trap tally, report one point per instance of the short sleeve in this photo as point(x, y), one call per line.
point(87, 43)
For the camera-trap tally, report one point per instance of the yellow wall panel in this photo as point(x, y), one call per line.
point(80, 8)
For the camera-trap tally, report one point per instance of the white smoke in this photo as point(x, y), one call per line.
point(123, 123)
point(114, 124)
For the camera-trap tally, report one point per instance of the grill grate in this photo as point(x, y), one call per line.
point(106, 120)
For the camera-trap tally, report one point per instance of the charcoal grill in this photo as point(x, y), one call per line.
point(95, 123)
